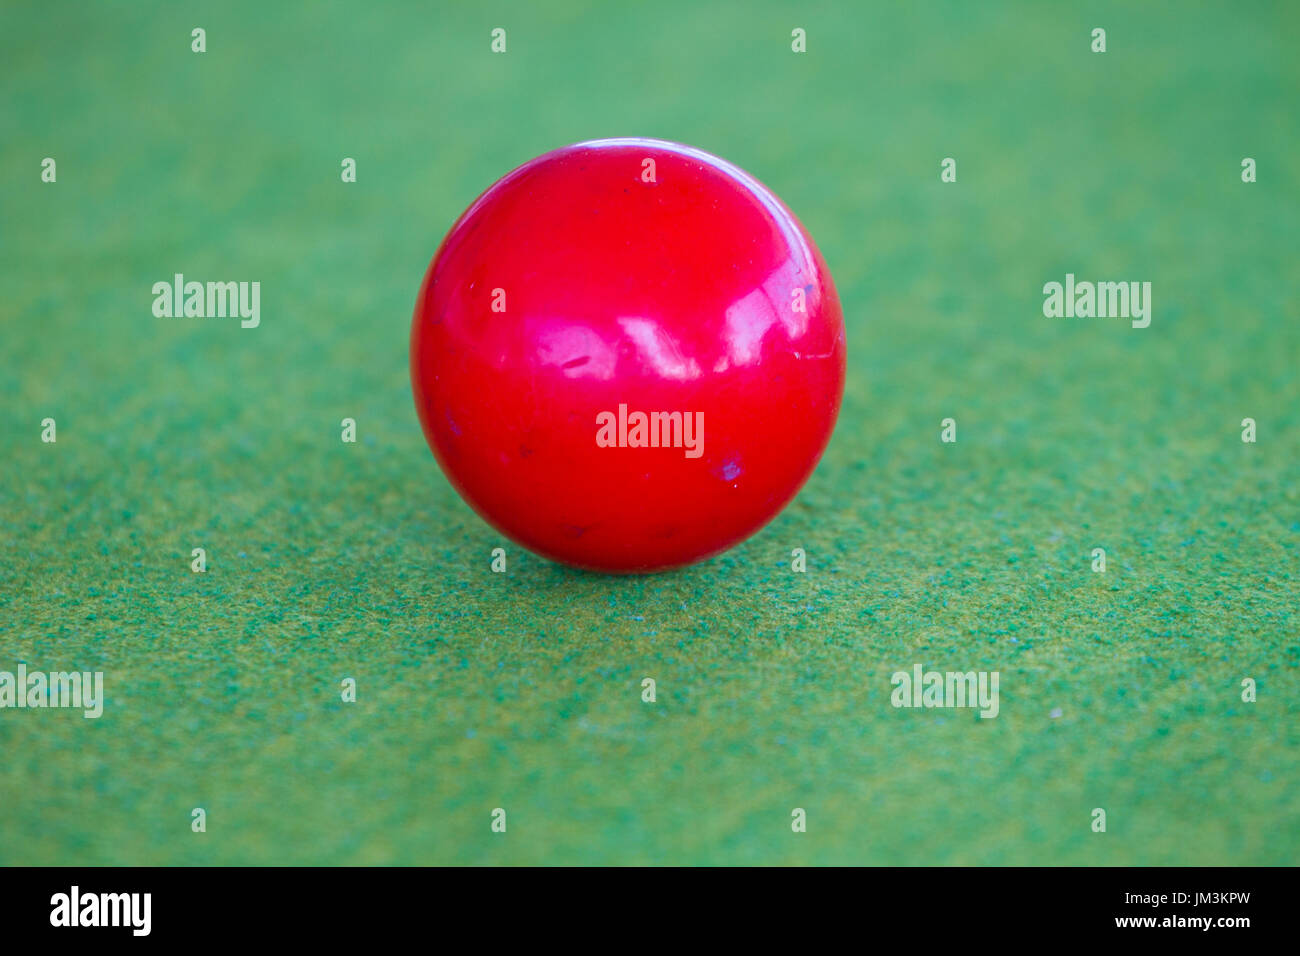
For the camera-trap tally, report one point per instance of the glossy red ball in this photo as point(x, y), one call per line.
point(627, 355)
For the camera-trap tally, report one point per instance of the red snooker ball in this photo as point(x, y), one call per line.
point(627, 355)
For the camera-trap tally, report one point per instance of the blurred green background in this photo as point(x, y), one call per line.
point(522, 691)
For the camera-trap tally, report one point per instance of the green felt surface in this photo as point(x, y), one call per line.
point(522, 690)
